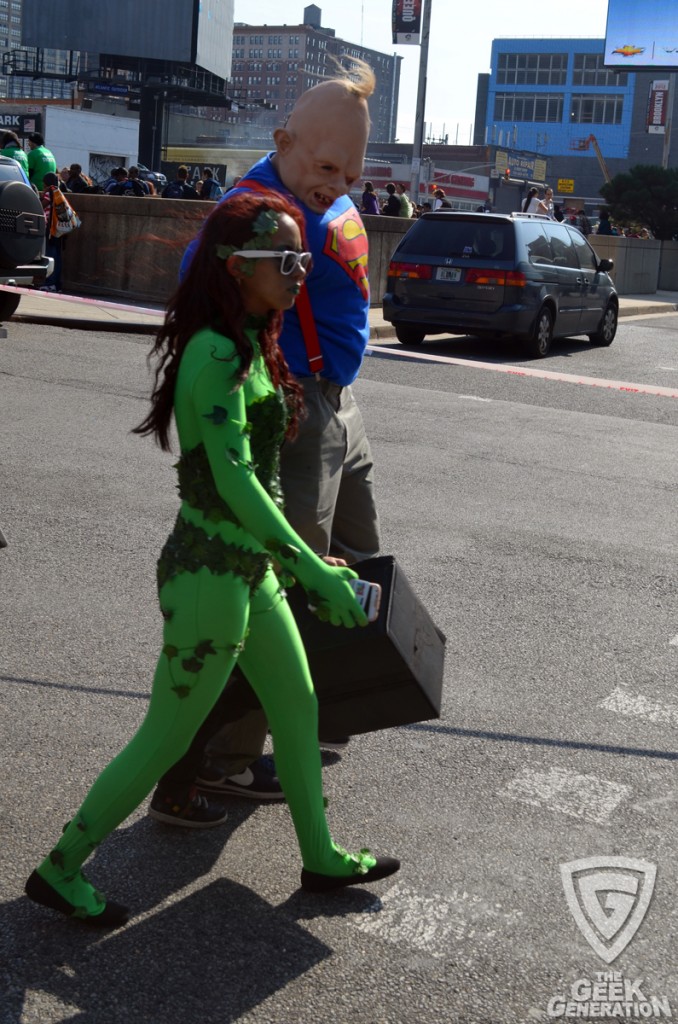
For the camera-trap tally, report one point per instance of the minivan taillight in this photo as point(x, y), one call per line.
point(504, 278)
point(420, 271)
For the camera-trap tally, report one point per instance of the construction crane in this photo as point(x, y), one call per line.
point(592, 141)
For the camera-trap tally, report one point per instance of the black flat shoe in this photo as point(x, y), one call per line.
point(311, 881)
point(37, 889)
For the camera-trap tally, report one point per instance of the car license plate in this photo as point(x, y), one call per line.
point(448, 274)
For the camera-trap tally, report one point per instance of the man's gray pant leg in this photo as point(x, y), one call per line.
point(355, 529)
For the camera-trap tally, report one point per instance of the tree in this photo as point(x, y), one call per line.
point(645, 195)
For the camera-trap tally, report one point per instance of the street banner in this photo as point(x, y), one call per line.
point(406, 22)
point(656, 107)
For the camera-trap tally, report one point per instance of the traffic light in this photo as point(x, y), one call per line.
point(507, 174)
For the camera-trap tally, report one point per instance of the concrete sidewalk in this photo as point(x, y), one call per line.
point(104, 314)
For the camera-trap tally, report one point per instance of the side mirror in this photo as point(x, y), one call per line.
point(605, 265)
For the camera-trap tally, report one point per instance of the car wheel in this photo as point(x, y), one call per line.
point(607, 328)
point(539, 342)
point(410, 335)
point(8, 304)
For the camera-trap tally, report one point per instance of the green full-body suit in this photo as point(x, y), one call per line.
point(222, 601)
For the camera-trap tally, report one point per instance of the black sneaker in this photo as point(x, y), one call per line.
point(257, 782)
point(334, 743)
point(198, 812)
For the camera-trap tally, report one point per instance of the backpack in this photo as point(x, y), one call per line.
point(175, 190)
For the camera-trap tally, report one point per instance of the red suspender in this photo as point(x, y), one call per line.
point(303, 304)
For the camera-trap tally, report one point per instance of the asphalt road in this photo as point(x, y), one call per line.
point(533, 507)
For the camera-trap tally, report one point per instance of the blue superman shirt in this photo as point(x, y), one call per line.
point(338, 286)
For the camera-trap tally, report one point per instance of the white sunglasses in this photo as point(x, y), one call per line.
point(289, 260)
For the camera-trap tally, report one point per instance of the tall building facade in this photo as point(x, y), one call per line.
point(273, 65)
point(18, 62)
point(549, 97)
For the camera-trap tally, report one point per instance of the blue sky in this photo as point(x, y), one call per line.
point(459, 48)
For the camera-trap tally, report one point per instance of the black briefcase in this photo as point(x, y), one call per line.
point(387, 673)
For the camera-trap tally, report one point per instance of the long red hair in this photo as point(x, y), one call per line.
point(209, 297)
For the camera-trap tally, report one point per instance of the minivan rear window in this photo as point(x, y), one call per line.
point(475, 239)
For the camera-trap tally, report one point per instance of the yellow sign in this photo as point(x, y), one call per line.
point(566, 184)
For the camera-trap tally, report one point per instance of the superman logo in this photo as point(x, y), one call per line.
point(346, 243)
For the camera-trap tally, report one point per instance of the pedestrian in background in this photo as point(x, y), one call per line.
point(406, 204)
point(547, 201)
point(179, 188)
point(210, 189)
point(40, 161)
point(392, 205)
point(139, 186)
point(54, 243)
point(369, 202)
point(77, 181)
point(11, 146)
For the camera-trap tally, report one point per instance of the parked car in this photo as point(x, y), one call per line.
point(512, 275)
point(22, 236)
point(157, 177)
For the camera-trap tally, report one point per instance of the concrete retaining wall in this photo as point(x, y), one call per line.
point(132, 248)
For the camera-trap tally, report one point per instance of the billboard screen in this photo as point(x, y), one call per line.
point(640, 35)
point(406, 17)
point(183, 31)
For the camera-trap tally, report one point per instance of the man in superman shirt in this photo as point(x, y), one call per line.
point(327, 472)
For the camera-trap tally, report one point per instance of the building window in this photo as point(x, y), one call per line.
point(589, 70)
point(528, 106)
point(532, 69)
point(588, 109)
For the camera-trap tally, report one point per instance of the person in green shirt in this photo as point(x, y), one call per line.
point(40, 160)
point(11, 146)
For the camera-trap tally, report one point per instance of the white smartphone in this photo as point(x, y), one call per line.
point(369, 597)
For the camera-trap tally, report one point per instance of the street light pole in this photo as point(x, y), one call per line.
point(418, 144)
point(669, 119)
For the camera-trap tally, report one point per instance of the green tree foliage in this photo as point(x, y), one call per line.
point(647, 196)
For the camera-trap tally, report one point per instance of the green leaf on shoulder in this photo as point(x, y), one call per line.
point(219, 415)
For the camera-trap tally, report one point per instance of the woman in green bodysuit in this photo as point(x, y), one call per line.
point(223, 376)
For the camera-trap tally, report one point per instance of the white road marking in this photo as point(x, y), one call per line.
point(42, 1007)
point(559, 789)
point(474, 398)
point(432, 923)
point(530, 371)
point(625, 703)
point(674, 641)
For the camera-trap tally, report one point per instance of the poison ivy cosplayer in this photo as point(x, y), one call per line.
point(222, 374)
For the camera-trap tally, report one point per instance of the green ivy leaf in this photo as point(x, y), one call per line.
point(191, 665)
point(289, 552)
point(219, 415)
point(204, 648)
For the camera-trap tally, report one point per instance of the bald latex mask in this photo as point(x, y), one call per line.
point(320, 152)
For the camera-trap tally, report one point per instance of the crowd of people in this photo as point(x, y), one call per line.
point(397, 202)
